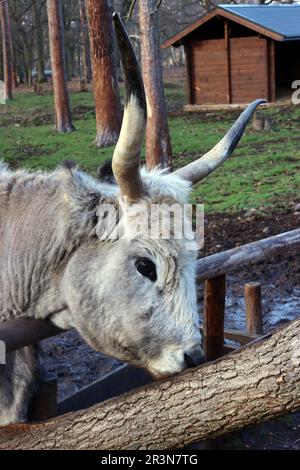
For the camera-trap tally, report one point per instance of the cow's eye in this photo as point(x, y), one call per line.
point(147, 268)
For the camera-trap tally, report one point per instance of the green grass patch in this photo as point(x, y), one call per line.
point(262, 173)
point(49, 148)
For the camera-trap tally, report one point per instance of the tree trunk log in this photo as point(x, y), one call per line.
point(57, 50)
point(105, 84)
point(6, 51)
point(158, 145)
point(254, 384)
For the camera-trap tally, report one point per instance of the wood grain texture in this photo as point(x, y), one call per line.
point(63, 121)
point(213, 315)
point(158, 143)
point(237, 258)
point(259, 382)
point(229, 70)
point(209, 71)
point(183, 35)
point(248, 68)
point(6, 51)
point(189, 81)
point(105, 83)
point(272, 71)
point(252, 291)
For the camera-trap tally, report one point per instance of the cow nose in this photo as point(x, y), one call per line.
point(194, 357)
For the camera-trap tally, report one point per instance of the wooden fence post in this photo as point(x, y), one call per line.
point(213, 318)
point(213, 330)
point(43, 404)
point(252, 292)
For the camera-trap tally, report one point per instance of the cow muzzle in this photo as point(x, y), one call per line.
point(194, 357)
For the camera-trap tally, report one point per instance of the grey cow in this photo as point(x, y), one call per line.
point(131, 297)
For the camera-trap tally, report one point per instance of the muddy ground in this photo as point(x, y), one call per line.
point(76, 365)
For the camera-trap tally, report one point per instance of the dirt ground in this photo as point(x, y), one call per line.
point(280, 279)
point(76, 365)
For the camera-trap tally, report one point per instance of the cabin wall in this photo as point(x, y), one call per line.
point(208, 68)
point(233, 69)
point(248, 69)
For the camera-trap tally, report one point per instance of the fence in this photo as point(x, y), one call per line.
point(211, 269)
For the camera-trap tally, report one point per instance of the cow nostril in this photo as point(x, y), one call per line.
point(193, 359)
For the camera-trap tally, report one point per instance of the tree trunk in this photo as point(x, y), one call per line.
point(39, 42)
point(22, 65)
point(125, 7)
point(107, 101)
point(6, 51)
point(158, 145)
point(1, 64)
point(27, 55)
point(254, 384)
point(70, 62)
point(63, 122)
point(12, 52)
point(85, 44)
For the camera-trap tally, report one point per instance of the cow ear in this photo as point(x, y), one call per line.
point(105, 173)
point(93, 214)
point(68, 166)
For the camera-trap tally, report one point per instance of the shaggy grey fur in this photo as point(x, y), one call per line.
point(53, 265)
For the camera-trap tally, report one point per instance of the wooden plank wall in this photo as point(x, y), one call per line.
point(231, 70)
point(271, 70)
point(189, 82)
point(248, 68)
point(209, 71)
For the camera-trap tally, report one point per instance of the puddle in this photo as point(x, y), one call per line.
point(275, 309)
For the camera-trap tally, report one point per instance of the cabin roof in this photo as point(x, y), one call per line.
point(279, 22)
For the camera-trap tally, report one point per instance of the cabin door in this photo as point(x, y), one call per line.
point(209, 72)
point(248, 69)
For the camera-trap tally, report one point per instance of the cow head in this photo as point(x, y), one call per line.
point(134, 297)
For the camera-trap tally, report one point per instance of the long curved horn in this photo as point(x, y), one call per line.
point(199, 169)
point(126, 157)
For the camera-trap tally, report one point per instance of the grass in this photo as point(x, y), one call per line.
point(263, 173)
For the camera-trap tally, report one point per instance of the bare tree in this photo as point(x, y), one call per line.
point(63, 120)
point(85, 44)
point(39, 40)
point(1, 64)
point(11, 45)
point(6, 50)
point(107, 101)
point(158, 145)
point(23, 38)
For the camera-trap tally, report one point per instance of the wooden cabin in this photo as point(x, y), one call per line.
point(237, 53)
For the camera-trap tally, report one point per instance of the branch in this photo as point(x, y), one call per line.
point(158, 5)
point(130, 11)
point(258, 382)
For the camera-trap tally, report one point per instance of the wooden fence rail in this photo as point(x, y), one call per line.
point(232, 260)
point(19, 333)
